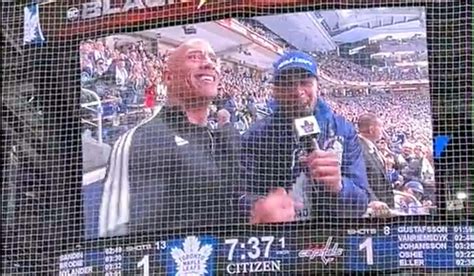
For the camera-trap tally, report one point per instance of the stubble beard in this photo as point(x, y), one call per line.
point(195, 101)
point(294, 111)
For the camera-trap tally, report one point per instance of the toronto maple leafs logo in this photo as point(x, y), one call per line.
point(308, 127)
point(191, 260)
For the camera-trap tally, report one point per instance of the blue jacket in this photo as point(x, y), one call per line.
point(269, 158)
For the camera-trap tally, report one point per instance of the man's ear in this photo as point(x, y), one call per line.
point(371, 129)
point(167, 77)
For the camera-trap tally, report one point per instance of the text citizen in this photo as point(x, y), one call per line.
point(253, 267)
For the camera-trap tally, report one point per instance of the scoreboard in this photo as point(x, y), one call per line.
point(390, 247)
point(412, 246)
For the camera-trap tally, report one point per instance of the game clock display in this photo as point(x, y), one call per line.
point(360, 249)
point(255, 254)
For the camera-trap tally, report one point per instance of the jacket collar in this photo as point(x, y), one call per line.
point(173, 114)
point(322, 111)
point(370, 144)
point(176, 118)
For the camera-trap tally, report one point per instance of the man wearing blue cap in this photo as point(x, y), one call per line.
point(410, 201)
point(283, 181)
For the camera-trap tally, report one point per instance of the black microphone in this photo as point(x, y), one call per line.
point(307, 131)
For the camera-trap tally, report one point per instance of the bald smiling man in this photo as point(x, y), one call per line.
point(170, 172)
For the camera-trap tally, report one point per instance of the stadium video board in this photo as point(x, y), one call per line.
point(242, 122)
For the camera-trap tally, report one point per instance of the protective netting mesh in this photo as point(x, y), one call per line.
point(232, 137)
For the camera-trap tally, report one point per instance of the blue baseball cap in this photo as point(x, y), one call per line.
point(415, 186)
point(295, 60)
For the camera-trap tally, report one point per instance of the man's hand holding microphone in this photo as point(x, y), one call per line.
point(323, 167)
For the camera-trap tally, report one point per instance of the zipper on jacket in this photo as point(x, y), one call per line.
point(212, 141)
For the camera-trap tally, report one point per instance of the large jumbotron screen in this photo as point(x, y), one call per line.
point(374, 117)
point(300, 141)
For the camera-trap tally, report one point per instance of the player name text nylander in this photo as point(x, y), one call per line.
point(76, 271)
point(253, 267)
point(73, 264)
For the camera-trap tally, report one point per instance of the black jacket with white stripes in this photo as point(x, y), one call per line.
point(179, 175)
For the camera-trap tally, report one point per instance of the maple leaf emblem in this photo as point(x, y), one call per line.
point(307, 126)
point(192, 259)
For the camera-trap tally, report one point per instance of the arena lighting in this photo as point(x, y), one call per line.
point(46, 2)
point(461, 195)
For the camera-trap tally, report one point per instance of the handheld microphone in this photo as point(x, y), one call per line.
point(307, 131)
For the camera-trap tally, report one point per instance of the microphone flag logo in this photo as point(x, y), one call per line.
point(308, 127)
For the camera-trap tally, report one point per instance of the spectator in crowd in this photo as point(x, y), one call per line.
point(406, 155)
point(393, 175)
point(150, 96)
point(230, 105)
point(380, 188)
point(87, 69)
point(101, 68)
point(330, 181)
point(382, 146)
point(411, 203)
point(223, 118)
point(427, 171)
point(100, 51)
point(121, 73)
point(136, 81)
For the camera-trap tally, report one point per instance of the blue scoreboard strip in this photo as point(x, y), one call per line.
point(411, 246)
point(359, 249)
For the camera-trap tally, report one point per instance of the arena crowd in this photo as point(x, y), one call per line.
point(342, 69)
